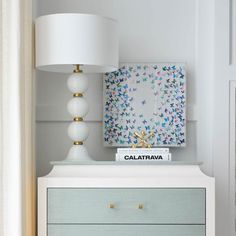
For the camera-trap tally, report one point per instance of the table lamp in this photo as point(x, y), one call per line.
point(81, 43)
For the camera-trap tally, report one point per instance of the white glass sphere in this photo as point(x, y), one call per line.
point(78, 107)
point(78, 153)
point(77, 83)
point(78, 131)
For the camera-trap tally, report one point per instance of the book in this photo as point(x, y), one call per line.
point(142, 150)
point(144, 157)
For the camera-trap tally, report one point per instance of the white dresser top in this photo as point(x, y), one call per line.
point(142, 163)
point(111, 169)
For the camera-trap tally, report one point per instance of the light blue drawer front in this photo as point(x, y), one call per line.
point(126, 230)
point(160, 206)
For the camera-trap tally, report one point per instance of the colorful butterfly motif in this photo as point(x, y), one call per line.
point(143, 102)
point(167, 90)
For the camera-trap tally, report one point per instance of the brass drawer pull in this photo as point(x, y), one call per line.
point(111, 205)
point(140, 206)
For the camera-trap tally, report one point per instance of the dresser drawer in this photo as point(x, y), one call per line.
point(126, 230)
point(159, 206)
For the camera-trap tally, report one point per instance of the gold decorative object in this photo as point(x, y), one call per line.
point(140, 206)
point(111, 206)
point(78, 119)
point(78, 143)
point(77, 69)
point(143, 138)
point(77, 95)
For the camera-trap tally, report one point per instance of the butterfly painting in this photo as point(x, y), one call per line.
point(149, 97)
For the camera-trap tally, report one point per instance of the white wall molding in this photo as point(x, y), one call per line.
point(223, 63)
point(204, 74)
point(232, 130)
point(58, 113)
point(231, 32)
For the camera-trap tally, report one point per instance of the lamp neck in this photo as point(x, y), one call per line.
point(77, 69)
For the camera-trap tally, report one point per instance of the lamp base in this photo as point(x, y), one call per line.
point(78, 108)
point(78, 153)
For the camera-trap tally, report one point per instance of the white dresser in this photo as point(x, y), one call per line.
point(128, 199)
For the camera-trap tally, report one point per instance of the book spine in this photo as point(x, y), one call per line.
point(140, 157)
point(143, 151)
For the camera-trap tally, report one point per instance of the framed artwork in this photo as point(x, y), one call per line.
point(145, 97)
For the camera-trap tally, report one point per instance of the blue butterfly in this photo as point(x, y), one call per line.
point(182, 141)
point(125, 86)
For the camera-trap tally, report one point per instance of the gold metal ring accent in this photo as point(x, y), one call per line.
point(77, 69)
point(78, 119)
point(77, 95)
point(78, 143)
point(111, 205)
point(140, 206)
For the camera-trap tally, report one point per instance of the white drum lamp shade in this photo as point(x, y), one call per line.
point(64, 40)
point(86, 43)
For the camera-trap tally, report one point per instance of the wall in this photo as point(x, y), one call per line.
point(150, 31)
point(224, 132)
